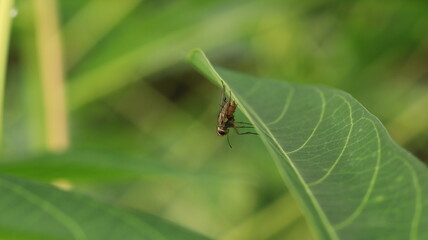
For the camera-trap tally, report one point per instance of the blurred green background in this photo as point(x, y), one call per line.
point(130, 95)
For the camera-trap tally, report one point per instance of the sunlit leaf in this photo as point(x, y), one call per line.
point(352, 180)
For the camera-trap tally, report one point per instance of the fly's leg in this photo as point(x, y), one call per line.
point(228, 141)
point(244, 133)
point(245, 123)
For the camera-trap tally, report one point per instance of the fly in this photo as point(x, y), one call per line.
point(226, 118)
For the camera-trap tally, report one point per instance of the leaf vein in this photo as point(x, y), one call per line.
point(48, 207)
point(343, 149)
point(418, 202)
point(323, 106)
point(370, 188)
point(285, 109)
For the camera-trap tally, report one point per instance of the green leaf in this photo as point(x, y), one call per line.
point(39, 211)
point(87, 166)
point(351, 179)
point(123, 59)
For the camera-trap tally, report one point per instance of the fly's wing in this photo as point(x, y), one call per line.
point(222, 115)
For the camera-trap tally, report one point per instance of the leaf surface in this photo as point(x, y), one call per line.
point(352, 180)
point(35, 211)
point(87, 167)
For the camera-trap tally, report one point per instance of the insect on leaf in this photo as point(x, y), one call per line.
point(351, 179)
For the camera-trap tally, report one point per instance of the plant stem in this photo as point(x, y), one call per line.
point(52, 74)
point(5, 19)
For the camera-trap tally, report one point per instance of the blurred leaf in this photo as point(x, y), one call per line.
point(146, 43)
point(280, 214)
point(39, 211)
point(352, 180)
point(112, 14)
point(87, 166)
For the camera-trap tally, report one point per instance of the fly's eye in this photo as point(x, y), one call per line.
point(221, 132)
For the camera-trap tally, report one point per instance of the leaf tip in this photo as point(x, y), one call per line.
point(194, 53)
point(200, 61)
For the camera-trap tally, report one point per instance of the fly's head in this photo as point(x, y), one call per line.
point(222, 131)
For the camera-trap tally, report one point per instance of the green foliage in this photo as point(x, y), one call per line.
point(87, 167)
point(142, 123)
point(352, 179)
point(39, 211)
